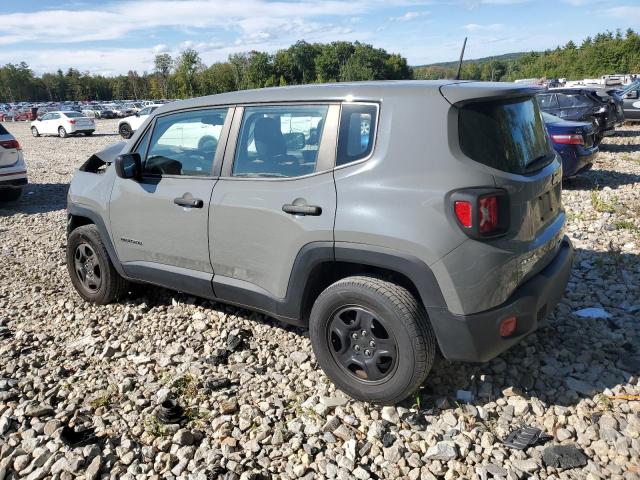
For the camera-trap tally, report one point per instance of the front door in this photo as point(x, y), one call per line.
point(160, 224)
point(276, 194)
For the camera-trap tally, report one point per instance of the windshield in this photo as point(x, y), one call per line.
point(506, 134)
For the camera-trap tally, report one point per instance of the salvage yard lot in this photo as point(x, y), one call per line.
point(62, 359)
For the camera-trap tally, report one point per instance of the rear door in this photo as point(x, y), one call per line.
point(632, 105)
point(160, 223)
point(276, 194)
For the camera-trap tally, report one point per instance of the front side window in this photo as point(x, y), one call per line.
point(279, 141)
point(357, 128)
point(184, 143)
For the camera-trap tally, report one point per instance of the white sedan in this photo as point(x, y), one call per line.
point(127, 126)
point(13, 171)
point(62, 124)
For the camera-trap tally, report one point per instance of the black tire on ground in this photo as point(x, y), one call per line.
point(89, 133)
point(125, 131)
point(10, 194)
point(398, 323)
point(34, 132)
point(62, 133)
point(86, 253)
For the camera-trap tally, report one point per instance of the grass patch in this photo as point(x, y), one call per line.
point(186, 386)
point(627, 225)
point(153, 426)
point(101, 401)
point(602, 206)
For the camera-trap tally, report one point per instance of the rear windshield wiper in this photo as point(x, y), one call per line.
point(538, 163)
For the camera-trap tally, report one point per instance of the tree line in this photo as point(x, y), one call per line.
point(605, 53)
point(187, 76)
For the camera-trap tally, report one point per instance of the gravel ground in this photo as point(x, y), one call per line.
point(66, 363)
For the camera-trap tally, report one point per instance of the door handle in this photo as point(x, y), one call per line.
point(312, 210)
point(189, 201)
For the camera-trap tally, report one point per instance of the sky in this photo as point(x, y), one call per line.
point(113, 36)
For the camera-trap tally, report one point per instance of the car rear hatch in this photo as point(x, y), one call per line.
point(501, 127)
point(8, 148)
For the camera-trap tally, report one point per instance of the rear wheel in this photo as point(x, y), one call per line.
point(34, 132)
point(10, 194)
point(92, 273)
point(372, 338)
point(62, 133)
point(125, 131)
point(89, 133)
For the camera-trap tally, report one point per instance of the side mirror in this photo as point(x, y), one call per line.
point(137, 114)
point(129, 165)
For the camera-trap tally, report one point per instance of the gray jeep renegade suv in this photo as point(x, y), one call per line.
point(391, 218)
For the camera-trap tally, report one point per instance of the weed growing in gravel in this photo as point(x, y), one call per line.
point(153, 426)
point(101, 401)
point(186, 386)
point(602, 206)
point(627, 225)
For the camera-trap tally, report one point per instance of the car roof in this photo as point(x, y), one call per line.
point(352, 91)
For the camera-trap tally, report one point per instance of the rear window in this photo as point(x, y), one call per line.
point(73, 114)
point(506, 135)
point(3, 131)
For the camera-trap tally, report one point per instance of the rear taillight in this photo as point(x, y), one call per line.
point(10, 144)
point(481, 212)
point(488, 209)
point(72, 122)
point(571, 139)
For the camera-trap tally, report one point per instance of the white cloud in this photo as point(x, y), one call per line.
point(629, 14)
point(407, 17)
point(475, 27)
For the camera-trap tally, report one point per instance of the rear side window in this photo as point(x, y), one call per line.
point(506, 135)
point(357, 132)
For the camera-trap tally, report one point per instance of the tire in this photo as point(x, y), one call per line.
point(34, 132)
point(392, 312)
point(89, 133)
point(85, 252)
point(62, 133)
point(125, 131)
point(10, 194)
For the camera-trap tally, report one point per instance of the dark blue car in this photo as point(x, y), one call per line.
point(574, 141)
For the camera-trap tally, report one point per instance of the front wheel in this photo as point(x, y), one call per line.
point(62, 133)
point(92, 273)
point(372, 338)
point(34, 132)
point(125, 131)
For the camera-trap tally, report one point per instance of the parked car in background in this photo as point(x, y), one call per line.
point(631, 104)
point(107, 112)
point(13, 170)
point(127, 126)
point(574, 141)
point(62, 124)
point(92, 111)
point(582, 105)
point(460, 251)
point(124, 111)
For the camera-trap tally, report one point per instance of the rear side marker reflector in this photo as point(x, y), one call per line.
point(508, 326)
point(488, 214)
point(463, 212)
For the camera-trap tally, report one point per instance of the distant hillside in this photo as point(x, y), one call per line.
point(500, 58)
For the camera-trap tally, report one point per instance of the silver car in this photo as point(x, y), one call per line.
point(393, 219)
point(13, 170)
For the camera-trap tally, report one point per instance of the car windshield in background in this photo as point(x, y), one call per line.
point(507, 135)
point(73, 114)
point(548, 118)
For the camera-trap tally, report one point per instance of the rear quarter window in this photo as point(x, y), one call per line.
point(357, 132)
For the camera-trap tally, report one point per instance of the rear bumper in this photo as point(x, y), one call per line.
point(476, 338)
point(15, 176)
point(577, 160)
